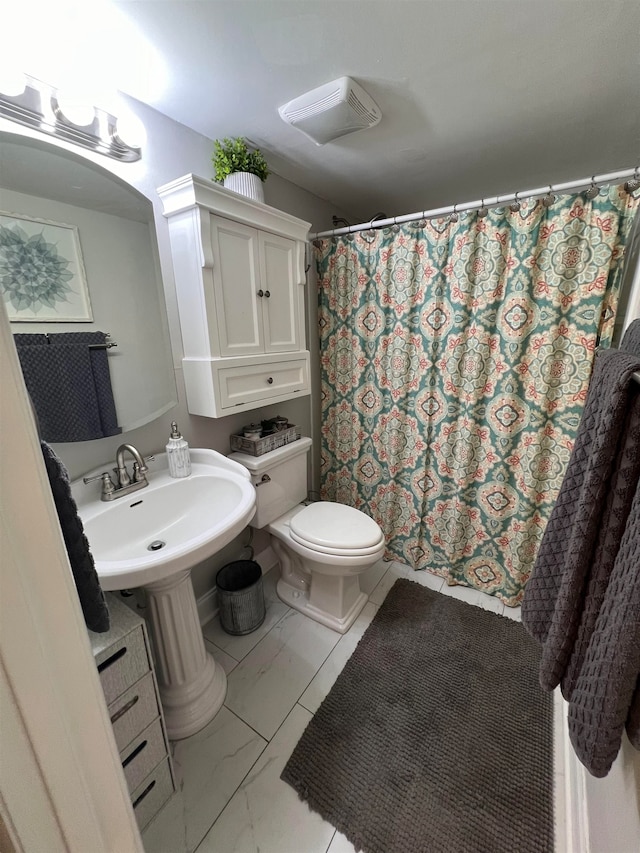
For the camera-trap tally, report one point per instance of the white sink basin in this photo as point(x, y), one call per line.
point(194, 517)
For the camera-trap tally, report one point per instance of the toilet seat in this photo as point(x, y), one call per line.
point(337, 552)
point(331, 528)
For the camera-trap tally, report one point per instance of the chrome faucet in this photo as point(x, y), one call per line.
point(125, 483)
point(139, 468)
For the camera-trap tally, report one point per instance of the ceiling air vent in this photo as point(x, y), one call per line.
point(332, 110)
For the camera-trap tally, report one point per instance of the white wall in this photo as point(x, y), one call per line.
point(61, 780)
point(613, 805)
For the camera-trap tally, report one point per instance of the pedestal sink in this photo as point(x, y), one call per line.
point(152, 538)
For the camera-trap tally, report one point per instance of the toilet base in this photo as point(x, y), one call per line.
point(299, 600)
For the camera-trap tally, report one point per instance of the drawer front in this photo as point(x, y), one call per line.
point(134, 711)
point(143, 754)
point(152, 793)
point(122, 664)
point(246, 384)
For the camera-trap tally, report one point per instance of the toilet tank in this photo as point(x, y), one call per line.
point(286, 487)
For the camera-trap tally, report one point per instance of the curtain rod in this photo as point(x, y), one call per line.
point(583, 183)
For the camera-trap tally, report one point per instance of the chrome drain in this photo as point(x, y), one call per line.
point(156, 545)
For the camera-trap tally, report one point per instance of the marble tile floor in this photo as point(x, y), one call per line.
point(230, 797)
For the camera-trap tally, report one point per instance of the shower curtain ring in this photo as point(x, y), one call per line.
point(548, 200)
point(515, 205)
point(370, 234)
point(483, 210)
point(453, 217)
point(395, 227)
point(593, 190)
point(633, 183)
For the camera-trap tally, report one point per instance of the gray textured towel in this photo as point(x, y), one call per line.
point(99, 361)
point(92, 601)
point(613, 523)
point(631, 339)
point(69, 384)
point(601, 701)
point(576, 601)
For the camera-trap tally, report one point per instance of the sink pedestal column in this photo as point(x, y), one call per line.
point(192, 686)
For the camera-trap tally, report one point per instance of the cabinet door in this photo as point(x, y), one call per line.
point(280, 309)
point(236, 272)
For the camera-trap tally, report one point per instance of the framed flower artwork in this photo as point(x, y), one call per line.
point(42, 277)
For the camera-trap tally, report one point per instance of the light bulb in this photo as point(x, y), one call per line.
point(12, 81)
point(131, 129)
point(78, 111)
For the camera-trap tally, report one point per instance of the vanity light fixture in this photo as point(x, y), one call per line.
point(38, 107)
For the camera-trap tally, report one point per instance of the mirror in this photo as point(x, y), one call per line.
point(115, 231)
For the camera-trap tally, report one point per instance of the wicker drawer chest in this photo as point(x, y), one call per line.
point(125, 667)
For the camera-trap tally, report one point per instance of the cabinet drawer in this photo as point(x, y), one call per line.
point(248, 383)
point(122, 664)
point(133, 711)
point(149, 797)
point(143, 754)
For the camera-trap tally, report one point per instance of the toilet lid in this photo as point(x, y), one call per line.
point(333, 525)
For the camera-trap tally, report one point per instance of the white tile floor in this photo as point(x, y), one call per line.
point(230, 797)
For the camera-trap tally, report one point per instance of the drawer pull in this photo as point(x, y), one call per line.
point(114, 657)
point(261, 293)
point(270, 380)
point(139, 799)
point(124, 709)
point(135, 753)
point(267, 294)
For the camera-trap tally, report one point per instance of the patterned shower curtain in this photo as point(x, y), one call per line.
point(455, 361)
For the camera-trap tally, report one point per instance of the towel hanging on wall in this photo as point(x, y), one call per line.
point(92, 601)
point(70, 385)
point(582, 602)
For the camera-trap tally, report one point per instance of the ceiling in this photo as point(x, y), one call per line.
point(478, 97)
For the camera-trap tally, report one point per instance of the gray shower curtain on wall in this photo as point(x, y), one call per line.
point(455, 361)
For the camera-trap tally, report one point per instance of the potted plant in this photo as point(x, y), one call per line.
point(238, 168)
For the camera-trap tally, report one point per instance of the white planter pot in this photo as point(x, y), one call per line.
point(246, 184)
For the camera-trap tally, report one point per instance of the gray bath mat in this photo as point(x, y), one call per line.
point(436, 737)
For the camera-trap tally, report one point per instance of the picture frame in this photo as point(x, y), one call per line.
point(42, 275)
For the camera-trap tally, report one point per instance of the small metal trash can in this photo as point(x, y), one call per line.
point(240, 597)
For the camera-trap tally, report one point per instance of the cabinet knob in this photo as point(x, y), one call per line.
point(270, 380)
point(267, 294)
point(261, 292)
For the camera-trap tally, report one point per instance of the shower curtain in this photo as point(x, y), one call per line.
point(455, 360)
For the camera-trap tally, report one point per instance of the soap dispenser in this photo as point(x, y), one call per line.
point(178, 454)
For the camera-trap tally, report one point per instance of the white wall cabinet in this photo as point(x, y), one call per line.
point(239, 269)
point(257, 297)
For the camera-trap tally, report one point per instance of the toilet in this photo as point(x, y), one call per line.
point(322, 547)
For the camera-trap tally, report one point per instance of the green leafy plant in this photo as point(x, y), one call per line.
point(233, 155)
